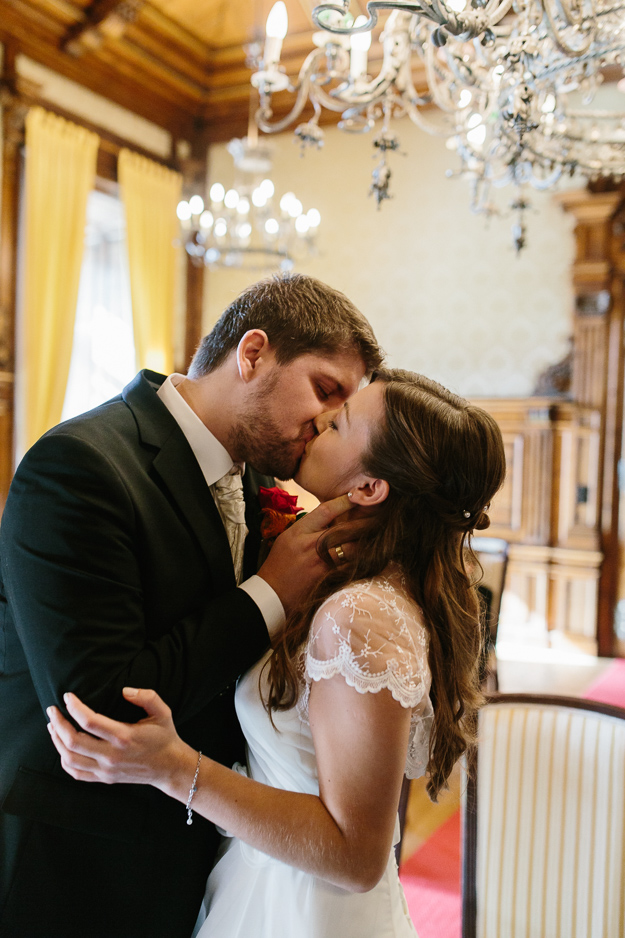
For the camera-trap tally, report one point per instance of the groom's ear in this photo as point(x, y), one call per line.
point(369, 492)
point(253, 352)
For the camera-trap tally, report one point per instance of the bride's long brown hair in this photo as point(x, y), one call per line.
point(443, 459)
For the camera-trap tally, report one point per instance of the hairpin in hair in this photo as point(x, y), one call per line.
point(467, 514)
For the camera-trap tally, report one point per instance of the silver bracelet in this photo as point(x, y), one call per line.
point(193, 790)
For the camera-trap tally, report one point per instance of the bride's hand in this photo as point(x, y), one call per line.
point(144, 753)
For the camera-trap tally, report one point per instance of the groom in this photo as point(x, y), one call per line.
point(121, 548)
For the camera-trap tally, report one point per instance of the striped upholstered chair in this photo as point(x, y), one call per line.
point(544, 821)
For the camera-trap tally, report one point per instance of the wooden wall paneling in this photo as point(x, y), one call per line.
point(149, 87)
point(619, 501)
point(195, 306)
point(562, 456)
point(593, 212)
point(562, 483)
point(101, 17)
point(551, 589)
point(573, 588)
point(575, 502)
point(194, 174)
point(548, 512)
point(589, 349)
point(520, 512)
point(13, 116)
point(588, 455)
point(598, 374)
point(506, 508)
point(537, 482)
point(526, 597)
point(612, 449)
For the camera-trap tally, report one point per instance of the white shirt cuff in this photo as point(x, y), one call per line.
point(267, 601)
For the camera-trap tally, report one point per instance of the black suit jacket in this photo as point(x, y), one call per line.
point(115, 570)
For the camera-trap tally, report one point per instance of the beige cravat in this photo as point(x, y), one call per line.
point(228, 492)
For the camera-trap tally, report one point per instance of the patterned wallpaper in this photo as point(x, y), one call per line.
point(443, 288)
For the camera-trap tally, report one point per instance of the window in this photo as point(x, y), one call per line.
point(103, 352)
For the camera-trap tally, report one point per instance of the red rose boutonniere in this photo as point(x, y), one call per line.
point(278, 509)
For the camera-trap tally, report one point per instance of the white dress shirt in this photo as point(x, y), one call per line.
point(215, 461)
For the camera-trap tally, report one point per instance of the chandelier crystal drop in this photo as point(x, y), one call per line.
point(248, 225)
point(516, 86)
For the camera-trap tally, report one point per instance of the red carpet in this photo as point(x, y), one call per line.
point(431, 881)
point(610, 687)
point(431, 877)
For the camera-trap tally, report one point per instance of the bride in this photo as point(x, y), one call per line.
point(373, 678)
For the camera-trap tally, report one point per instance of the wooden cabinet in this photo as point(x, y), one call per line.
point(559, 508)
point(548, 511)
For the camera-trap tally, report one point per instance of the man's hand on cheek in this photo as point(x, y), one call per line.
point(294, 567)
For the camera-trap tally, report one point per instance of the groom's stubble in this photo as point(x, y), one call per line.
point(258, 439)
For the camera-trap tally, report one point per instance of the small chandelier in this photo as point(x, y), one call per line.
point(504, 76)
point(248, 225)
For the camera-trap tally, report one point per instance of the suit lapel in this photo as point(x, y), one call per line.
point(179, 471)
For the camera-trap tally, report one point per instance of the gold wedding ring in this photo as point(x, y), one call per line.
point(340, 553)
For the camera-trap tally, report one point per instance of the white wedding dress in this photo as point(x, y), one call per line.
point(372, 635)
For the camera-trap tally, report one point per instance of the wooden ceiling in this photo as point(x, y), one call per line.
point(179, 63)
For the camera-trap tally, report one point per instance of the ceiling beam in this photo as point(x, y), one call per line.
point(102, 18)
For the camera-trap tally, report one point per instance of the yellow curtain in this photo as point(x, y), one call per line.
point(150, 193)
point(60, 172)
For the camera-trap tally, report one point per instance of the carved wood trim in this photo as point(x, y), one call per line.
point(195, 306)
point(145, 89)
point(102, 18)
point(612, 450)
point(14, 112)
point(521, 511)
point(590, 337)
point(133, 53)
point(110, 144)
point(598, 366)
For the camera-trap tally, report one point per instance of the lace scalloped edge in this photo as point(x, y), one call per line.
point(370, 684)
point(407, 688)
point(417, 755)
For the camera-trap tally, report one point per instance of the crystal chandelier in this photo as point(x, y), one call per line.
point(248, 225)
point(513, 83)
point(522, 105)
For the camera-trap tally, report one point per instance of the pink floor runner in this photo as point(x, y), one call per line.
point(610, 686)
point(431, 876)
point(431, 881)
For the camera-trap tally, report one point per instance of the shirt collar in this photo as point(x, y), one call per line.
point(213, 458)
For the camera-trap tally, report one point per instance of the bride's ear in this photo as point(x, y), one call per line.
point(369, 492)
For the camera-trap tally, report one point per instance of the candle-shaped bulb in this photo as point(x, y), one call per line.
point(359, 45)
point(275, 30)
point(277, 21)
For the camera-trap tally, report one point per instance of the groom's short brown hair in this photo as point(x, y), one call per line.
point(299, 314)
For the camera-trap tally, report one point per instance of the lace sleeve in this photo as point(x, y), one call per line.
point(373, 635)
